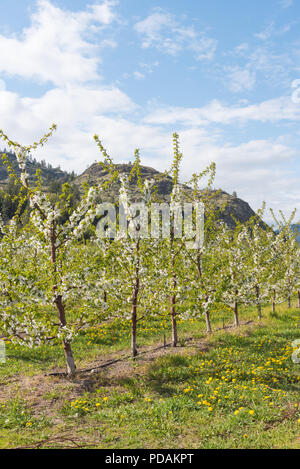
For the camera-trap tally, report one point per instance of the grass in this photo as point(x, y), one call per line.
point(237, 388)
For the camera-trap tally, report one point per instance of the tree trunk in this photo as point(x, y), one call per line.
point(208, 324)
point(259, 310)
point(289, 301)
point(173, 297)
point(135, 295)
point(236, 314)
point(133, 332)
point(173, 316)
point(274, 302)
point(207, 315)
point(71, 367)
point(174, 327)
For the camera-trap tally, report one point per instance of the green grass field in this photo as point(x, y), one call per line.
point(237, 388)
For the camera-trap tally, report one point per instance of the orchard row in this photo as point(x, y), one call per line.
point(48, 270)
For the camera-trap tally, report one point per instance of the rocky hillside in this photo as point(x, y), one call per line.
point(95, 174)
point(49, 174)
point(234, 207)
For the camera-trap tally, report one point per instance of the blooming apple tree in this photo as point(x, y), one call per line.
point(52, 244)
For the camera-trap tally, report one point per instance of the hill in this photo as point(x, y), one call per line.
point(95, 174)
point(234, 207)
point(48, 173)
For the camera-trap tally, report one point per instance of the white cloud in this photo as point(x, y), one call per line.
point(263, 61)
point(151, 27)
point(241, 48)
point(164, 32)
point(54, 47)
point(262, 169)
point(273, 110)
point(240, 78)
point(271, 29)
point(104, 13)
point(267, 32)
point(256, 153)
point(259, 170)
point(145, 69)
point(261, 64)
point(75, 109)
point(286, 3)
point(138, 75)
point(149, 67)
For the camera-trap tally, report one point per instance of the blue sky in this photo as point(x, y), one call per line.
point(223, 74)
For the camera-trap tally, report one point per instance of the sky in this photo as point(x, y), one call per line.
point(225, 75)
